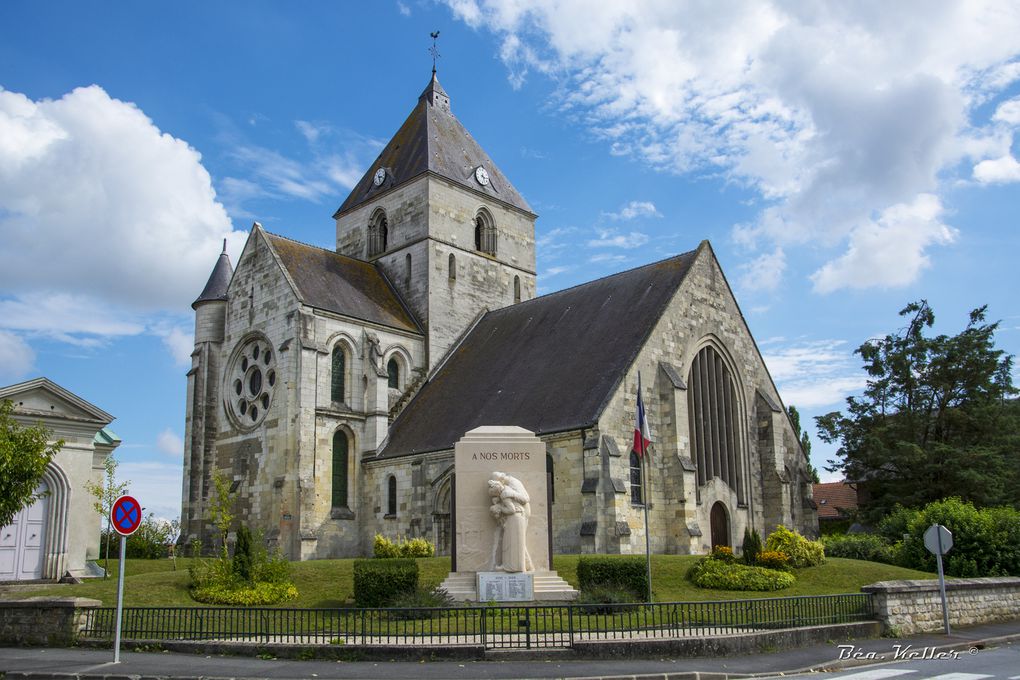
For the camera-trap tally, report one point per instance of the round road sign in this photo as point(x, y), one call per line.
point(126, 515)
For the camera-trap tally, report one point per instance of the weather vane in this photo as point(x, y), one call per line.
point(434, 51)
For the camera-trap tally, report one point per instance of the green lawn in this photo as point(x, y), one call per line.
point(328, 583)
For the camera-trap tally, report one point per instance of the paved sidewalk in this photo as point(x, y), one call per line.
point(39, 663)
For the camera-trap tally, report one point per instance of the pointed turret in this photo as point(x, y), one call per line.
point(216, 287)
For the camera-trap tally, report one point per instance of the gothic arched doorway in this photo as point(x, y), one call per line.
point(720, 522)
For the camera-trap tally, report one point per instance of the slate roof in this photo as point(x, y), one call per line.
point(432, 139)
point(833, 499)
point(549, 364)
point(216, 287)
point(337, 283)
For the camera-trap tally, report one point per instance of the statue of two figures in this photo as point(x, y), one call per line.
point(510, 507)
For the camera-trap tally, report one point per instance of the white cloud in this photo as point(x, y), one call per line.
point(16, 358)
point(157, 486)
point(764, 272)
point(553, 271)
point(998, 171)
point(609, 238)
point(95, 199)
point(635, 209)
point(606, 257)
point(889, 251)
point(170, 443)
point(834, 113)
point(813, 373)
point(180, 343)
point(403, 9)
point(1008, 112)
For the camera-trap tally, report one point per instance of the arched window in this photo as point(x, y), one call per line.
point(453, 267)
point(485, 232)
point(340, 460)
point(391, 495)
point(714, 417)
point(378, 232)
point(407, 270)
point(338, 375)
point(517, 289)
point(550, 477)
point(636, 490)
point(393, 373)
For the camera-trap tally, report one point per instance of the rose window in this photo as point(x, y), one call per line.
point(250, 382)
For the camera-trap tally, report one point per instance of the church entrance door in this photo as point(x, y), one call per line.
point(720, 522)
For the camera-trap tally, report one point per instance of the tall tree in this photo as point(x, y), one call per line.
point(805, 441)
point(935, 419)
point(24, 454)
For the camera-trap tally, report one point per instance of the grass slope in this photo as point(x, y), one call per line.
point(328, 583)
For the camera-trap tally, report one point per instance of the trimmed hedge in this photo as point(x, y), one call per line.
point(377, 581)
point(719, 575)
point(801, 551)
point(630, 573)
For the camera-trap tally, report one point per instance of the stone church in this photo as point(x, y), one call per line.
point(330, 386)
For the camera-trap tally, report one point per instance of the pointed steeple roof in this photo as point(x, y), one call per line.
point(216, 288)
point(433, 140)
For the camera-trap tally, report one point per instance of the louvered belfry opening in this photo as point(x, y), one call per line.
point(485, 233)
point(378, 230)
point(714, 417)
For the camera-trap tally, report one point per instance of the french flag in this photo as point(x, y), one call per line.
point(642, 433)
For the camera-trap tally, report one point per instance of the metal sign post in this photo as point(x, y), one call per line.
point(938, 540)
point(126, 517)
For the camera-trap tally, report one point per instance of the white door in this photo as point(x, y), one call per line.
point(22, 541)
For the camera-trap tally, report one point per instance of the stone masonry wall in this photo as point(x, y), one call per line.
point(702, 312)
point(911, 607)
point(53, 622)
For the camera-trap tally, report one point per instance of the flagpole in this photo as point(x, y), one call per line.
point(646, 499)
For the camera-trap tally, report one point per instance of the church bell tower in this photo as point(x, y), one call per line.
point(442, 222)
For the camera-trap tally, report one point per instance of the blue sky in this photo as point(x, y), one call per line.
point(843, 159)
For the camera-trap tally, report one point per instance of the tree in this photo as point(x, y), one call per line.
point(935, 420)
point(805, 441)
point(221, 508)
point(106, 493)
point(24, 454)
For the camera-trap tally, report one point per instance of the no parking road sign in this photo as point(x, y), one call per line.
point(126, 515)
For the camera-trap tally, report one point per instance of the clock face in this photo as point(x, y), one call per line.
point(380, 177)
point(482, 176)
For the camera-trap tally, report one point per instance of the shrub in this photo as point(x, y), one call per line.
point(605, 599)
point(871, 547)
point(801, 551)
point(751, 546)
point(718, 575)
point(252, 577)
point(247, 596)
point(243, 557)
point(377, 581)
point(986, 541)
point(772, 559)
point(417, 547)
point(723, 553)
point(417, 603)
point(627, 573)
point(384, 548)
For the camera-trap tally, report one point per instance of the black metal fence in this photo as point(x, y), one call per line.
point(502, 627)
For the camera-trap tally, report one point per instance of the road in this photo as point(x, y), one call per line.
point(924, 663)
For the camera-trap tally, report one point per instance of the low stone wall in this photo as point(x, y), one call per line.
point(55, 621)
point(909, 607)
